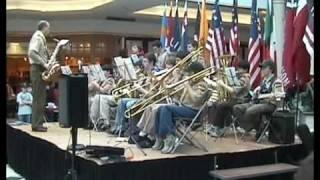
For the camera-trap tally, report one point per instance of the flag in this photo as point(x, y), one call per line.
point(301, 56)
point(254, 47)
point(268, 35)
point(203, 34)
point(164, 26)
point(234, 43)
point(216, 41)
point(175, 41)
point(288, 72)
point(308, 37)
point(184, 31)
point(197, 24)
point(170, 28)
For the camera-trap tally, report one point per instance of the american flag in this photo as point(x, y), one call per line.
point(216, 40)
point(254, 47)
point(234, 43)
point(308, 37)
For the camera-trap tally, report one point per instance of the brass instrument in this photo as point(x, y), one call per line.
point(167, 91)
point(225, 61)
point(128, 89)
point(54, 70)
point(159, 81)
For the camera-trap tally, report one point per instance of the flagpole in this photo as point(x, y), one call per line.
point(279, 7)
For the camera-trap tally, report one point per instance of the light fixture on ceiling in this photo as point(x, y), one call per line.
point(55, 5)
point(192, 14)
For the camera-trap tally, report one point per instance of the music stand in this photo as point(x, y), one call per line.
point(127, 72)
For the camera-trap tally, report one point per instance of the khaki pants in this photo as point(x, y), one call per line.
point(148, 118)
point(101, 108)
point(39, 95)
point(249, 114)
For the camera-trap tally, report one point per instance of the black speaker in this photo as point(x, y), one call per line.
point(282, 129)
point(73, 101)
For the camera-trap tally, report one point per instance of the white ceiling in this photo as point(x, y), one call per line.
point(116, 8)
point(94, 20)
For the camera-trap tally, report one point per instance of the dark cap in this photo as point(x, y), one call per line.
point(268, 63)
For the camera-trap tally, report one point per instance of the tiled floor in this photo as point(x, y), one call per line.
point(12, 175)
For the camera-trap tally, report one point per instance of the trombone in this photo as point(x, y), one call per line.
point(166, 92)
point(159, 82)
point(127, 89)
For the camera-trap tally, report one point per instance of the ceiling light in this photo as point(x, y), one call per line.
point(192, 14)
point(55, 5)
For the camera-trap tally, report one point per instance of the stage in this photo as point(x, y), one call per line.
point(43, 155)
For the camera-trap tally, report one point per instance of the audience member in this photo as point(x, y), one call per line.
point(24, 99)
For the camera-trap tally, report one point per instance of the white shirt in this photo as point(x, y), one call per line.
point(24, 99)
point(38, 51)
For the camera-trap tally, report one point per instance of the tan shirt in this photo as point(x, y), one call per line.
point(243, 90)
point(38, 51)
point(194, 96)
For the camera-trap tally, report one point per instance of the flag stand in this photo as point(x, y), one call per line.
point(297, 103)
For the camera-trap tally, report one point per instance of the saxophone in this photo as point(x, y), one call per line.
point(54, 70)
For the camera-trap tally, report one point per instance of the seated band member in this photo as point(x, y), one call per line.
point(96, 86)
point(102, 103)
point(192, 98)
point(160, 54)
point(248, 114)
point(147, 120)
point(149, 68)
point(222, 111)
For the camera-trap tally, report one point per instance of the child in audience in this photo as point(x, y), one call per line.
point(24, 99)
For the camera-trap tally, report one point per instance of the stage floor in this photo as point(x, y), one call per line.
point(61, 137)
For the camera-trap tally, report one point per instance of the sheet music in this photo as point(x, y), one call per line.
point(130, 68)
point(86, 69)
point(93, 72)
point(135, 58)
point(100, 73)
point(66, 70)
point(125, 68)
point(233, 80)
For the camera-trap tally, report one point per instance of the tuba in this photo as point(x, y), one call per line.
point(54, 70)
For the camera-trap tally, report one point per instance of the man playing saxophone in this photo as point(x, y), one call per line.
point(38, 58)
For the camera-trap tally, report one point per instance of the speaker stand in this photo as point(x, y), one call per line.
point(72, 173)
point(297, 104)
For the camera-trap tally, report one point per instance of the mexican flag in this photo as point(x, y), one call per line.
point(269, 42)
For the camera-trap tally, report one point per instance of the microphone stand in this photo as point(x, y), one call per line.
point(72, 173)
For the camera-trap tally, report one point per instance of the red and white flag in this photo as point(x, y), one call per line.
point(254, 56)
point(308, 37)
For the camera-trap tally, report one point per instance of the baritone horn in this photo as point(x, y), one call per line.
point(225, 61)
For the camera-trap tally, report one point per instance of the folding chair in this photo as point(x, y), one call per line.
point(185, 131)
point(266, 118)
point(233, 127)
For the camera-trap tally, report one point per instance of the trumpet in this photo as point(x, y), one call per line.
point(167, 91)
